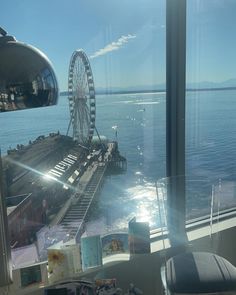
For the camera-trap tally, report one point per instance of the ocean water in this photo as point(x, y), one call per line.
point(211, 150)
point(140, 121)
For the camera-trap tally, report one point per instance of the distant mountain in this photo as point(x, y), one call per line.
point(206, 84)
point(202, 85)
point(231, 83)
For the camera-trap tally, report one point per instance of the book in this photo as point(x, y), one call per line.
point(30, 275)
point(139, 237)
point(64, 262)
point(73, 257)
point(91, 251)
point(115, 243)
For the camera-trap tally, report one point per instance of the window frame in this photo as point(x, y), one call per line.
point(175, 119)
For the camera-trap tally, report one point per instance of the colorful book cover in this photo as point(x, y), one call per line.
point(116, 243)
point(91, 251)
point(139, 237)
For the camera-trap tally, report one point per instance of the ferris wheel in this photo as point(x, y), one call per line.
point(81, 95)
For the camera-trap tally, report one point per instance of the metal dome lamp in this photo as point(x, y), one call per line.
point(27, 78)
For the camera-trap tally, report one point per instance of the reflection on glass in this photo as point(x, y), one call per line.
point(27, 79)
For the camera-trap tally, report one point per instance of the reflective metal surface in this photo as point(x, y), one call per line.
point(27, 79)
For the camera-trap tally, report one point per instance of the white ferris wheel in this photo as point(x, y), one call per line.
point(81, 95)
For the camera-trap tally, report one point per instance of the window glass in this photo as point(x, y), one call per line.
point(210, 107)
point(88, 165)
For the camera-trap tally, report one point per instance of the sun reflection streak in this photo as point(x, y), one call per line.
point(49, 177)
point(146, 202)
point(45, 176)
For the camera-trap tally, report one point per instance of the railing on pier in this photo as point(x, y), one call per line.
point(73, 221)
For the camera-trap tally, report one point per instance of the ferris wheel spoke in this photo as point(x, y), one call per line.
point(82, 73)
point(86, 113)
point(77, 78)
point(84, 127)
point(83, 77)
point(87, 118)
point(79, 85)
point(85, 83)
point(82, 123)
point(74, 83)
point(83, 80)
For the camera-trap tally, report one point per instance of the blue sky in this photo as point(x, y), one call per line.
point(125, 38)
point(211, 42)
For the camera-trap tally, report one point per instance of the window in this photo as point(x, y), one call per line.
point(210, 104)
point(123, 63)
point(88, 166)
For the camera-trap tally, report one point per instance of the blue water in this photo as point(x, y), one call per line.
point(210, 148)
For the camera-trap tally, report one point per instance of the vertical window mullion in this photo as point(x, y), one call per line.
point(175, 118)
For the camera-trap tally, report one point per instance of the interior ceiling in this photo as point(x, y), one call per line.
point(19, 63)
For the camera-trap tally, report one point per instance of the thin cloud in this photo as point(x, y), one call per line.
point(113, 45)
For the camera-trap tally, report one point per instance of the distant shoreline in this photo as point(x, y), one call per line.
point(65, 93)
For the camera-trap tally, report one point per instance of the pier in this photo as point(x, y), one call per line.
point(72, 217)
point(60, 180)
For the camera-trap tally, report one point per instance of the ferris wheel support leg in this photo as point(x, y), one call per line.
point(98, 134)
point(68, 129)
